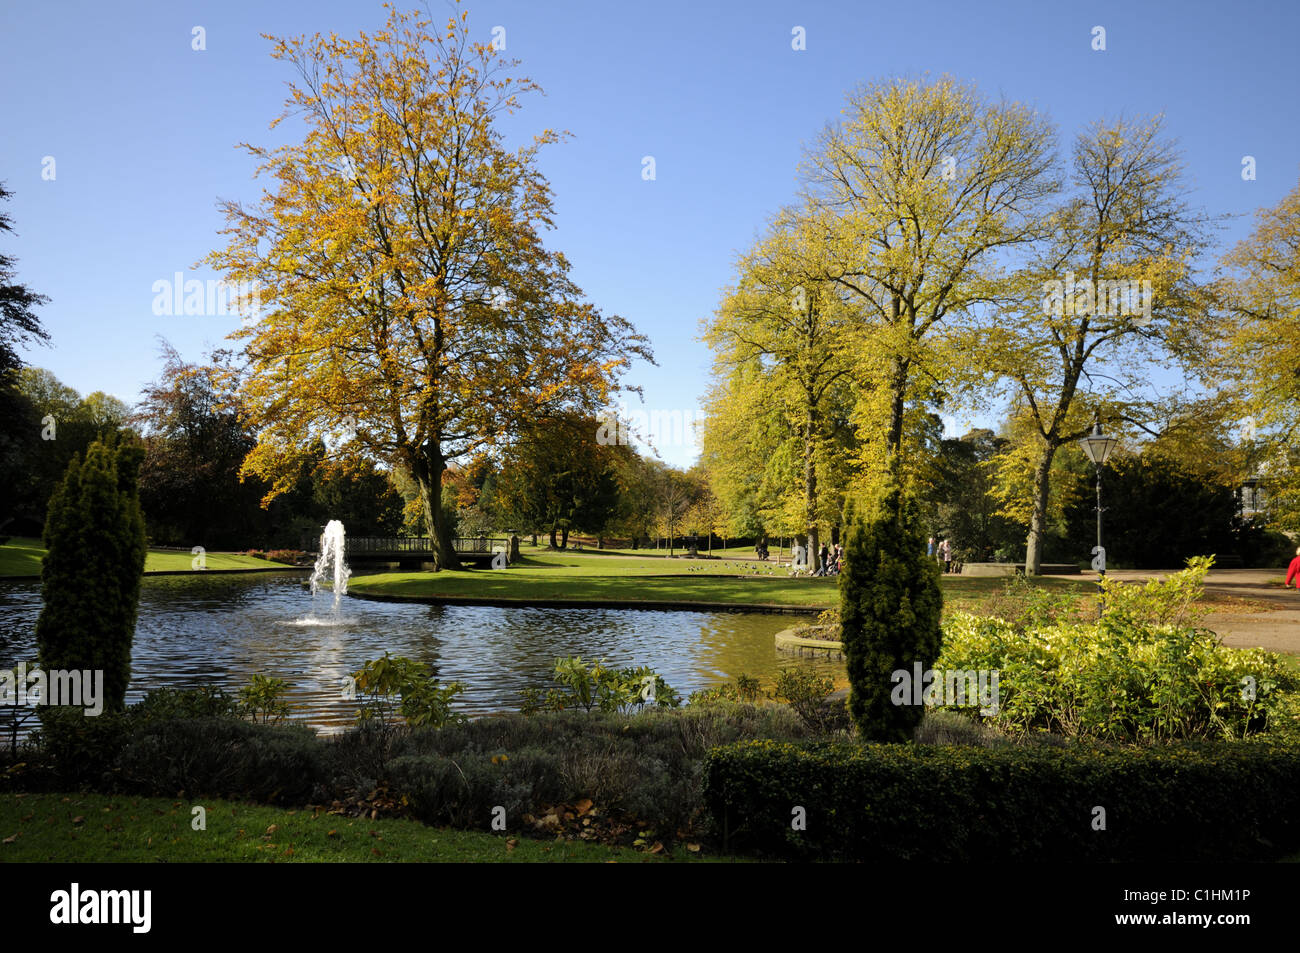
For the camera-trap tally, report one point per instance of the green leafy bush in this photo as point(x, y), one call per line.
point(806, 693)
point(1138, 674)
point(205, 701)
point(77, 750)
point(1026, 605)
point(746, 689)
point(826, 626)
point(263, 699)
point(601, 688)
point(1221, 801)
point(397, 686)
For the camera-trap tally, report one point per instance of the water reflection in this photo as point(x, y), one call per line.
point(221, 629)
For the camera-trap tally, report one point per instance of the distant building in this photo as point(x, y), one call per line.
point(1252, 496)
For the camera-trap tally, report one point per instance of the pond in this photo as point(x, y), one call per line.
point(221, 629)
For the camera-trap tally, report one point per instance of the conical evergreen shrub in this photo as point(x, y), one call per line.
point(90, 579)
point(890, 607)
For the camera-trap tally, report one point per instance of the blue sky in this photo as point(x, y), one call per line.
point(143, 132)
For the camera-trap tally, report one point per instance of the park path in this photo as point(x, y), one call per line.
point(1250, 611)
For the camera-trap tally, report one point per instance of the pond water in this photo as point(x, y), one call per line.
point(220, 630)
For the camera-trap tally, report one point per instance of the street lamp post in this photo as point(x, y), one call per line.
point(1098, 447)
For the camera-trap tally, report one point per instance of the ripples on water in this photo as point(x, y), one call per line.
point(219, 630)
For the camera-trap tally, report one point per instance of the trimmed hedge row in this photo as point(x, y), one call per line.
point(1208, 801)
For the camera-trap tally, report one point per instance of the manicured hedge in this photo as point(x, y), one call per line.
point(1219, 801)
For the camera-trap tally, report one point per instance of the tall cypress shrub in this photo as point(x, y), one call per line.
point(890, 607)
point(90, 579)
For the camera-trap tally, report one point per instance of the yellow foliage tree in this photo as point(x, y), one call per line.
point(786, 323)
point(406, 298)
point(1100, 303)
point(917, 192)
point(1260, 351)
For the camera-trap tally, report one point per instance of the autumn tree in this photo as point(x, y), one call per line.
point(674, 493)
point(1257, 344)
point(1100, 302)
point(742, 433)
point(557, 477)
point(916, 193)
point(195, 444)
point(787, 323)
point(405, 295)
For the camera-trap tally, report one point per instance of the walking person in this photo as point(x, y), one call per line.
point(929, 547)
point(946, 549)
point(1293, 571)
point(823, 557)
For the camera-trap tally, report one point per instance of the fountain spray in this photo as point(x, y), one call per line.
point(331, 556)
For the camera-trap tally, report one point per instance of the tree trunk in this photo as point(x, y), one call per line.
point(427, 469)
point(1038, 523)
point(554, 529)
point(564, 537)
point(810, 482)
point(897, 409)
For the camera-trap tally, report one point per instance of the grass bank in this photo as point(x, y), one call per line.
point(630, 581)
point(96, 828)
point(22, 557)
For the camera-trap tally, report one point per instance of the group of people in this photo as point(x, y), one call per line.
point(830, 560)
point(829, 563)
point(940, 551)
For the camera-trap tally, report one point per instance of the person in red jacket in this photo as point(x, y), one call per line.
point(1294, 571)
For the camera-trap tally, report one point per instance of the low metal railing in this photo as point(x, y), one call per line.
point(424, 544)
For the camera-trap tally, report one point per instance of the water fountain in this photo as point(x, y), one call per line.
point(331, 557)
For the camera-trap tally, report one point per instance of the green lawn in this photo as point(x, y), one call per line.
point(92, 828)
point(717, 551)
point(22, 557)
point(631, 580)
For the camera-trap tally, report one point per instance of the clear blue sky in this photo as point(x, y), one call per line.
point(143, 132)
